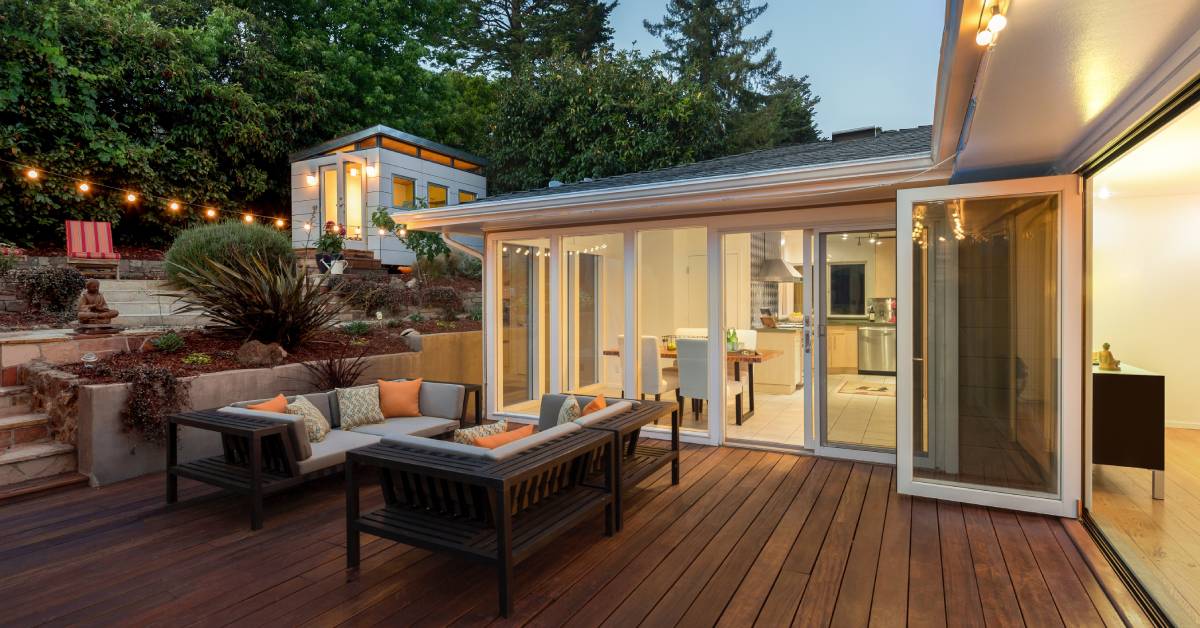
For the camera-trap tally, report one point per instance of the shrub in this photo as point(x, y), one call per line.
point(444, 297)
point(256, 298)
point(476, 314)
point(52, 289)
point(226, 241)
point(8, 260)
point(469, 267)
point(356, 328)
point(169, 342)
point(336, 372)
point(197, 359)
point(371, 295)
point(154, 394)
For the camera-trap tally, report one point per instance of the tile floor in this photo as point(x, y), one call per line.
point(853, 419)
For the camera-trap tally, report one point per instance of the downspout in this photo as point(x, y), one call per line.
point(459, 246)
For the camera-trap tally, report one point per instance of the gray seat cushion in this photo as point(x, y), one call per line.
point(409, 426)
point(297, 432)
point(332, 450)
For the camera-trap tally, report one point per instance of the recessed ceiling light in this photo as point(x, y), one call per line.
point(1104, 193)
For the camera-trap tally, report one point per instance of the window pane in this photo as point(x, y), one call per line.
point(398, 146)
point(524, 284)
point(436, 157)
point(354, 202)
point(437, 195)
point(594, 323)
point(985, 342)
point(673, 311)
point(466, 197)
point(403, 192)
point(329, 194)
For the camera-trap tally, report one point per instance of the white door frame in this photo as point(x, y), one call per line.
point(1072, 354)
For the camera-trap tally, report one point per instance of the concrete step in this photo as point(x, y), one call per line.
point(145, 308)
point(14, 400)
point(23, 428)
point(41, 485)
point(138, 296)
point(36, 460)
point(107, 285)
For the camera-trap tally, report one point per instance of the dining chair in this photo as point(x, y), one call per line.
point(693, 376)
point(748, 338)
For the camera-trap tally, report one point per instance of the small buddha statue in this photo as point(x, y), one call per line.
point(1106, 360)
point(92, 308)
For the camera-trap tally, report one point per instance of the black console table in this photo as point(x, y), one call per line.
point(1129, 420)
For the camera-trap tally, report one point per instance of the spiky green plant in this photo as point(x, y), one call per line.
point(255, 297)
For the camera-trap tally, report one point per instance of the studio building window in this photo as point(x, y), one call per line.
point(403, 192)
point(438, 195)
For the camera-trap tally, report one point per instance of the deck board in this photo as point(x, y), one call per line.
point(748, 537)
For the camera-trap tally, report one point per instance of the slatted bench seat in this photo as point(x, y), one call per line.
point(497, 511)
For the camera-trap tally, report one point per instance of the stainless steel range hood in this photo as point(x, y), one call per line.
point(779, 271)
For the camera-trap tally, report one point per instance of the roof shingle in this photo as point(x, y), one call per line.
point(887, 144)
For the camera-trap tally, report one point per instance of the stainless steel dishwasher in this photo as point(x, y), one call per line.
point(877, 349)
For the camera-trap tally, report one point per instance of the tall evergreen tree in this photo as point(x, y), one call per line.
point(707, 45)
point(504, 36)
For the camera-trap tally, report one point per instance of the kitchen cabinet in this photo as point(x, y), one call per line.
point(884, 284)
point(842, 348)
point(782, 375)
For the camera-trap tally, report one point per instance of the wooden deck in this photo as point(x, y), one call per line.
point(747, 538)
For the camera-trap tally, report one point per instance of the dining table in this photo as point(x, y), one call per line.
point(749, 357)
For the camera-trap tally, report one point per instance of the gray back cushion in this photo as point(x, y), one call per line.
point(551, 405)
point(322, 402)
point(442, 400)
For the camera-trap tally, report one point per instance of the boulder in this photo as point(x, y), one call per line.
point(257, 355)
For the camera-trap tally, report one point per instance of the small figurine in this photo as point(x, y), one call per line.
point(1107, 362)
point(92, 308)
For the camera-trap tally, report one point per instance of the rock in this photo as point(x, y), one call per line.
point(412, 338)
point(256, 354)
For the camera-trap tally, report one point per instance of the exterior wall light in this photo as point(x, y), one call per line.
point(310, 179)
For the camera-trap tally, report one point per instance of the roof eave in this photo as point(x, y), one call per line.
point(819, 179)
point(958, 67)
point(380, 129)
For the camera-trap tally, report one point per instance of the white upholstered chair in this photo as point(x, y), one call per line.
point(693, 376)
point(655, 379)
point(748, 338)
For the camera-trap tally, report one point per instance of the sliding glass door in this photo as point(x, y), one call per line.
point(989, 330)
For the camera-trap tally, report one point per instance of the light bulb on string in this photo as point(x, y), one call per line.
point(31, 173)
point(210, 212)
point(279, 222)
point(131, 197)
point(84, 187)
point(308, 226)
point(173, 206)
point(248, 218)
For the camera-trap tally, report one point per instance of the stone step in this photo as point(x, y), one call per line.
point(36, 460)
point(107, 285)
point(23, 428)
point(14, 400)
point(146, 308)
point(138, 296)
point(41, 485)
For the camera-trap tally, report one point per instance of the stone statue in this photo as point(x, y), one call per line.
point(1107, 361)
point(93, 309)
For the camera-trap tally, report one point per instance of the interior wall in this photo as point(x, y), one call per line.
point(1145, 298)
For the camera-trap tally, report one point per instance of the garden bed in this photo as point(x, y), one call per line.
point(222, 350)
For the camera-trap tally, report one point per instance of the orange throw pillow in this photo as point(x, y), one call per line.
point(277, 405)
point(596, 404)
point(400, 398)
point(503, 438)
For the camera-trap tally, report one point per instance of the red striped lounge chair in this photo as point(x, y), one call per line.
point(90, 247)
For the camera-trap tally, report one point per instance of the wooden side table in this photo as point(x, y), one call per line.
point(635, 462)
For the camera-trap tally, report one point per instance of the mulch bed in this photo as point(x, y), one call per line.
point(222, 350)
point(13, 321)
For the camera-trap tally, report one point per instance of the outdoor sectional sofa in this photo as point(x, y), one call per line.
point(279, 442)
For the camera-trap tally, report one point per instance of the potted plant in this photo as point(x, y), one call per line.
point(329, 246)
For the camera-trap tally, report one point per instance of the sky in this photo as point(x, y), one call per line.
point(872, 62)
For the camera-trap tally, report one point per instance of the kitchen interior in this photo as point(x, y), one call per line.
point(764, 306)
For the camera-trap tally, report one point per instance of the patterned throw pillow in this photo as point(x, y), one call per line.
point(359, 406)
point(315, 423)
point(467, 436)
point(569, 411)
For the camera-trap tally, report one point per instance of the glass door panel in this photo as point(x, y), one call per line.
point(856, 310)
point(524, 327)
point(594, 314)
point(355, 238)
point(986, 414)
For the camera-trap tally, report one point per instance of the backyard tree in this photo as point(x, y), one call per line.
point(505, 36)
point(612, 113)
point(707, 44)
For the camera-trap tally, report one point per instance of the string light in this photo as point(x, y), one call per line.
point(308, 226)
point(403, 232)
point(382, 231)
point(248, 218)
point(279, 222)
point(82, 185)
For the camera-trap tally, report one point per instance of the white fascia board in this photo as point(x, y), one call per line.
point(819, 178)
